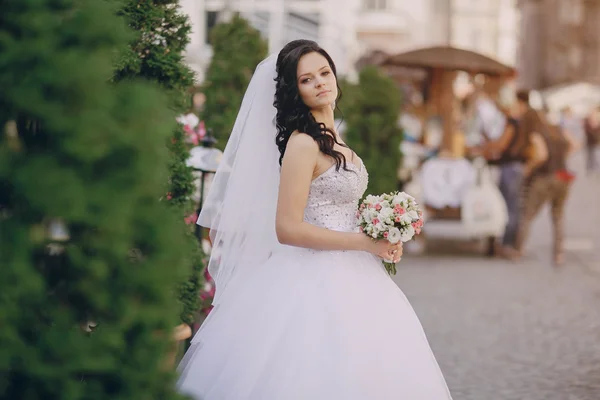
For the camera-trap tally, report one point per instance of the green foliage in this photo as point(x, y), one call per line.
point(237, 50)
point(156, 54)
point(371, 110)
point(77, 148)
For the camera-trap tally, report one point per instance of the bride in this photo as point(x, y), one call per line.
point(304, 308)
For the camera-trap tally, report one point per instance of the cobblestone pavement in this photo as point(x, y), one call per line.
point(520, 331)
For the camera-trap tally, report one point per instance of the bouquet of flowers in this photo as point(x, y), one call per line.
point(394, 216)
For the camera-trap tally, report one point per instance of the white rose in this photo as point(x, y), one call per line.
point(373, 214)
point(379, 227)
point(407, 233)
point(408, 197)
point(386, 213)
point(413, 214)
point(406, 219)
point(394, 235)
point(371, 199)
point(398, 199)
point(367, 216)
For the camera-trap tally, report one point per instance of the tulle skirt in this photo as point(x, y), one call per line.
point(312, 325)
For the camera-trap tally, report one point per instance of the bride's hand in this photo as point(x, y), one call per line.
point(384, 249)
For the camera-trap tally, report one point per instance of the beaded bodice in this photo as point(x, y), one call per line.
point(333, 197)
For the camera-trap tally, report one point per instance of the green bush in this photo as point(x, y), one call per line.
point(76, 148)
point(237, 49)
point(156, 54)
point(371, 110)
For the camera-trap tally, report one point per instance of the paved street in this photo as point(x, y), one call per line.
point(524, 331)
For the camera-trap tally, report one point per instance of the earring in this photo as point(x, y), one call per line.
point(333, 105)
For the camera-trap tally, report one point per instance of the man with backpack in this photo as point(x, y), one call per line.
point(548, 181)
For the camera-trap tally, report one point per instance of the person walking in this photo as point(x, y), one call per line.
point(548, 183)
point(511, 153)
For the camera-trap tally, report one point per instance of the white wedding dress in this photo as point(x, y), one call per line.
point(314, 325)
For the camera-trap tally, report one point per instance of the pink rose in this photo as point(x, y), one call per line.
point(398, 209)
point(375, 221)
point(398, 219)
point(378, 206)
point(385, 235)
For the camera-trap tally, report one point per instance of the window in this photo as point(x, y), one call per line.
point(374, 4)
point(302, 26)
point(211, 21)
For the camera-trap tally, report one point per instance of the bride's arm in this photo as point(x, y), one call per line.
point(297, 170)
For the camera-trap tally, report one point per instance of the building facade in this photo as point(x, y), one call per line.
point(489, 27)
point(329, 22)
point(392, 26)
point(560, 42)
point(350, 29)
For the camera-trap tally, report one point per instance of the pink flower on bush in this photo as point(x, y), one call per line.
point(169, 196)
point(208, 293)
point(191, 219)
point(192, 137)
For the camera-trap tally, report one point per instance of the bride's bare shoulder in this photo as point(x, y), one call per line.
point(302, 142)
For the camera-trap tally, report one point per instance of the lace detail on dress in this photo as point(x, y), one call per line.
point(333, 198)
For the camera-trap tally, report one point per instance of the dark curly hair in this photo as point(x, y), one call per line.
point(292, 113)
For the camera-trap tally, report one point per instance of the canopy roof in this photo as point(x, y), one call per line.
point(449, 58)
